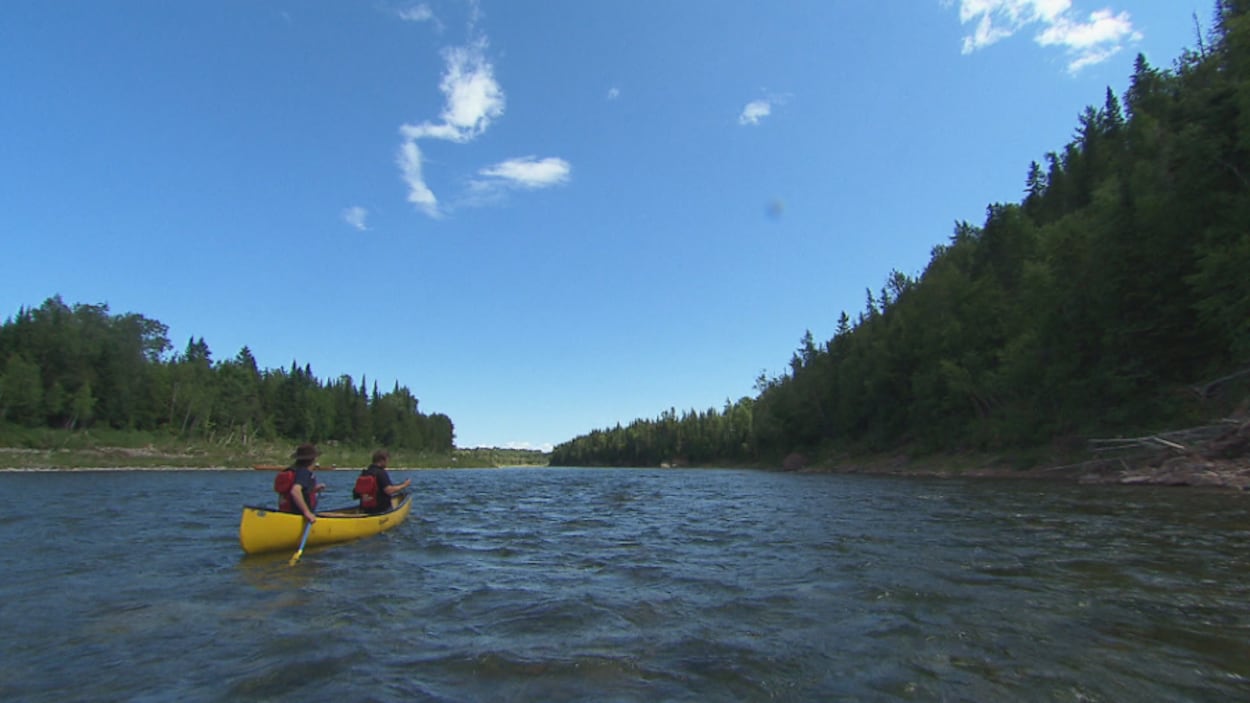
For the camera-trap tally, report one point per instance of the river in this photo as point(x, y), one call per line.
point(628, 585)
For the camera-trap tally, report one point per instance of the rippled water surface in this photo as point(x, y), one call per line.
point(628, 585)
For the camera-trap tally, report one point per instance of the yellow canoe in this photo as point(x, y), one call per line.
point(267, 530)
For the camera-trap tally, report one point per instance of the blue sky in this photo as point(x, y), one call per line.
point(541, 217)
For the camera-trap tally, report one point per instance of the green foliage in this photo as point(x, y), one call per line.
point(21, 391)
point(103, 447)
point(694, 438)
point(1119, 280)
point(80, 367)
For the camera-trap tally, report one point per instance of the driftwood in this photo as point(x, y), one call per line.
point(1206, 390)
point(1216, 455)
point(1175, 440)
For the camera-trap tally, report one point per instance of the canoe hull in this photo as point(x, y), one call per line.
point(265, 530)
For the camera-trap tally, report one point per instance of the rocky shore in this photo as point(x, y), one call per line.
point(1222, 462)
point(1218, 458)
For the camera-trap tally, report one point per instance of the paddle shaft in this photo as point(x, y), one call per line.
point(302, 540)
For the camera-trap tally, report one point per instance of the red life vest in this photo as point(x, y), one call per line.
point(282, 485)
point(366, 489)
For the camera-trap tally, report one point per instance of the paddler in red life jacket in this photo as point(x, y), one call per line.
point(374, 488)
point(301, 497)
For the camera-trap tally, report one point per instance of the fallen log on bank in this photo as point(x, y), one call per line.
point(1210, 455)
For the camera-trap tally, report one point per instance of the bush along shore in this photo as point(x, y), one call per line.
point(70, 450)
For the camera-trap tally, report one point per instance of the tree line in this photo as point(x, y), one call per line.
point(1121, 278)
point(80, 366)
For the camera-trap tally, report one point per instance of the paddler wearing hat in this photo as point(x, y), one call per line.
point(302, 495)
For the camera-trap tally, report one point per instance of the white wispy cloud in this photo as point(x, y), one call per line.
point(545, 446)
point(1093, 41)
point(755, 111)
point(527, 172)
point(419, 194)
point(614, 93)
point(1086, 40)
point(420, 13)
point(357, 217)
point(472, 100)
point(416, 13)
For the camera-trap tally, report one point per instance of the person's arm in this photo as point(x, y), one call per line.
point(297, 497)
point(393, 489)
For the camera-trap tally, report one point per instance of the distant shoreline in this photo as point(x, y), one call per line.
point(170, 455)
point(100, 469)
point(1194, 469)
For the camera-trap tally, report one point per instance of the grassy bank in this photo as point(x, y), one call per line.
point(22, 448)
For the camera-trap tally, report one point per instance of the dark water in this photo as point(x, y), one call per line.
point(619, 585)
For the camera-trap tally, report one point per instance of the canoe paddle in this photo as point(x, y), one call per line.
point(299, 552)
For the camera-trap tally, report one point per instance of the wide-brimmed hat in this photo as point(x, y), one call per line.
point(306, 452)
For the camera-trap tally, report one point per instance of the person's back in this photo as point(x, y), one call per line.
point(370, 490)
point(282, 485)
point(297, 486)
point(374, 487)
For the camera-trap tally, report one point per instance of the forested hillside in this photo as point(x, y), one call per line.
point(1097, 304)
point(80, 366)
